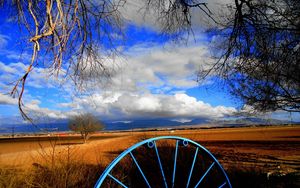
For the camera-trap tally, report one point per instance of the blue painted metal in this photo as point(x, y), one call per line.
point(136, 163)
point(127, 151)
point(205, 174)
point(118, 181)
point(150, 144)
point(175, 160)
point(184, 143)
point(160, 166)
point(192, 168)
point(223, 185)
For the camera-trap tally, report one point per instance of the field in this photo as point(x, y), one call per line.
point(253, 156)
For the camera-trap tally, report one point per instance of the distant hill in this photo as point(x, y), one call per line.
point(167, 122)
point(253, 121)
point(152, 123)
point(62, 126)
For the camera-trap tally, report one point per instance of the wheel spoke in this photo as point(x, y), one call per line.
point(160, 166)
point(175, 159)
point(136, 163)
point(222, 185)
point(152, 145)
point(192, 168)
point(116, 180)
point(205, 174)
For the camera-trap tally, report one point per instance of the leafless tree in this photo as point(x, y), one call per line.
point(258, 53)
point(72, 34)
point(85, 124)
point(175, 16)
point(77, 35)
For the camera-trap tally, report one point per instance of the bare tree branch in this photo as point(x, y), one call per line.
point(75, 35)
point(260, 59)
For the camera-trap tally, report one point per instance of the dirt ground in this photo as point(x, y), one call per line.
point(268, 148)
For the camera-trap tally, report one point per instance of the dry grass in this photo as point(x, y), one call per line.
point(248, 154)
point(53, 167)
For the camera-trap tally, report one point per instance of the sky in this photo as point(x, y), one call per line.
point(153, 78)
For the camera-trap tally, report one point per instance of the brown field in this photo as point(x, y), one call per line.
point(269, 149)
point(259, 145)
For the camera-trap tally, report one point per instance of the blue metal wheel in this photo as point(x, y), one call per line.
point(166, 161)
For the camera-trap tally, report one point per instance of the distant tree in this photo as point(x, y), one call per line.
point(258, 53)
point(85, 124)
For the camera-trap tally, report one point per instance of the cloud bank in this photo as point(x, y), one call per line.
point(130, 105)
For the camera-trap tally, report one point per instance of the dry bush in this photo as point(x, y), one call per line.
point(54, 167)
point(64, 175)
point(63, 167)
point(12, 177)
point(254, 177)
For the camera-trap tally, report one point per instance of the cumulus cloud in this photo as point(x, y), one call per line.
point(149, 82)
point(38, 78)
point(7, 100)
point(33, 108)
point(130, 105)
point(159, 68)
point(134, 12)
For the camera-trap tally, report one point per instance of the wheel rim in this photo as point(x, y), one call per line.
point(170, 182)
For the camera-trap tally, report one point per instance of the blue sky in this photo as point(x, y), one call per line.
point(154, 77)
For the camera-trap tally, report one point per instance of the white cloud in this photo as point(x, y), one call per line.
point(7, 100)
point(159, 68)
point(132, 105)
point(35, 111)
point(141, 86)
point(33, 108)
point(38, 78)
point(149, 82)
point(134, 12)
point(182, 120)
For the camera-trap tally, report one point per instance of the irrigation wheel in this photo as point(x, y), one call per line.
point(166, 161)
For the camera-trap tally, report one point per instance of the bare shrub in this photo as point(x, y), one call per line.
point(85, 124)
